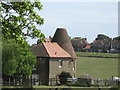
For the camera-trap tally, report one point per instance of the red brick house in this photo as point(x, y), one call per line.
point(115, 46)
point(107, 44)
point(80, 44)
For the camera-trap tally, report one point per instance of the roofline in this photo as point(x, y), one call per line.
point(45, 50)
point(54, 57)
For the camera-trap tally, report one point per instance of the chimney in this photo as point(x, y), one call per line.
point(62, 38)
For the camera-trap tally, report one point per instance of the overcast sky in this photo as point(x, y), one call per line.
point(81, 19)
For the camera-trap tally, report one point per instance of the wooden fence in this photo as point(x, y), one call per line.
point(36, 81)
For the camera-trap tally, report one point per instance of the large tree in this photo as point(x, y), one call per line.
point(17, 58)
point(19, 20)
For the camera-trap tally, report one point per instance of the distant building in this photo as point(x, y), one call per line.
point(54, 56)
point(100, 45)
point(107, 45)
point(80, 45)
point(115, 46)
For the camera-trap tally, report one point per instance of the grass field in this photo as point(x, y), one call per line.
point(97, 67)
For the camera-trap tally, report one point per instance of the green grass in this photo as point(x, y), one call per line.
point(94, 54)
point(97, 67)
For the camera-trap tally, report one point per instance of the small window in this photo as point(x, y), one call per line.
point(60, 63)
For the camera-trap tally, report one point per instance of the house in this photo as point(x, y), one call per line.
point(54, 56)
point(115, 46)
point(100, 45)
point(80, 44)
point(106, 45)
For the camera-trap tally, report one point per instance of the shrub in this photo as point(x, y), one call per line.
point(63, 77)
point(78, 84)
point(104, 51)
point(95, 85)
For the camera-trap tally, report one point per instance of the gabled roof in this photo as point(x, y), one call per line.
point(49, 49)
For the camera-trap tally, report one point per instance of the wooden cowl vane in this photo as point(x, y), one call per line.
point(62, 38)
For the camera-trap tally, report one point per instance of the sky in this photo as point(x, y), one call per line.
point(81, 19)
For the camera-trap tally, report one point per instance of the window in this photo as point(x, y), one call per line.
point(60, 63)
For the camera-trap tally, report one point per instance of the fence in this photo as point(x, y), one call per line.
point(36, 81)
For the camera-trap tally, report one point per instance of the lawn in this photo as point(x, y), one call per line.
point(97, 67)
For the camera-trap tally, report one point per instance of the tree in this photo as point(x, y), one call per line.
point(17, 61)
point(19, 20)
point(9, 63)
point(63, 77)
point(116, 38)
point(79, 38)
point(102, 37)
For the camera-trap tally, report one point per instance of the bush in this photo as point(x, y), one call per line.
point(63, 77)
point(104, 51)
point(78, 84)
point(95, 85)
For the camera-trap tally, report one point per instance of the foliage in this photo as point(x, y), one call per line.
point(17, 58)
point(78, 84)
point(80, 38)
point(104, 51)
point(95, 85)
point(115, 88)
point(63, 77)
point(101, 37)
point(19, 20)
point(100, 55)
point(9, 63)
point(116, 38)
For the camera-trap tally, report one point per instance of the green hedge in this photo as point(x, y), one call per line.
point(101, 55)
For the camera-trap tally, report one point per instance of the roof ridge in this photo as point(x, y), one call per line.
point(51, 49)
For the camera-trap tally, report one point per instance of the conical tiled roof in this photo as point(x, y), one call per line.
point(62, 38)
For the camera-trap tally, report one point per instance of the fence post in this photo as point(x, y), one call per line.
point(97, 81)
point(51, 81)
point(34, 81)
point(31, 80)
point(56, 81)
point(9, 82)
point(13, 81)
point(117, 82)
point(39, 80)
point(105, 82)
point(21, 80)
